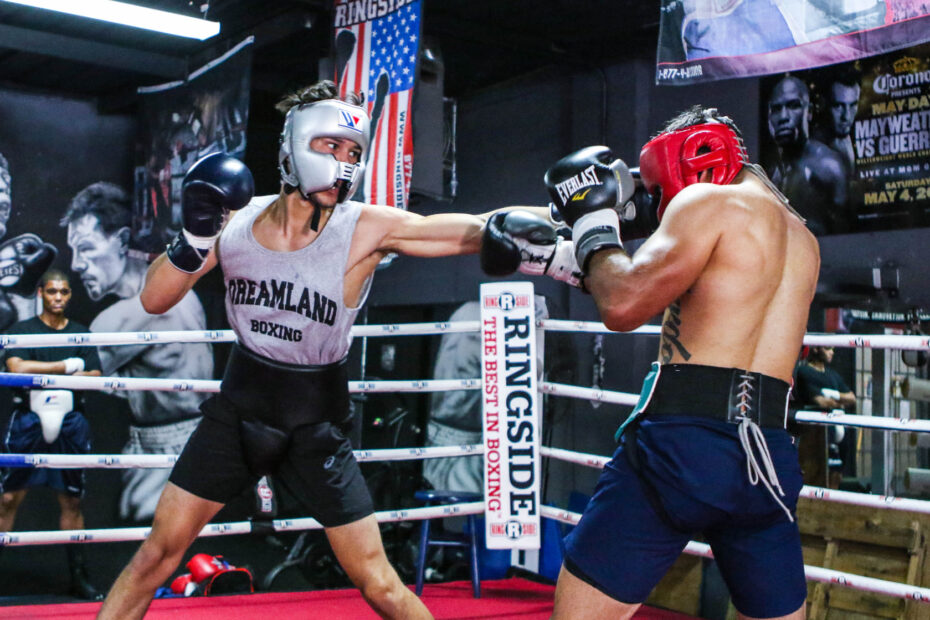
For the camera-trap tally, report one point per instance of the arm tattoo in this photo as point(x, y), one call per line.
point(671, 334)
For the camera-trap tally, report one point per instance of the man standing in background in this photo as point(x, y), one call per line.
point(50, 421)
point(98, 222)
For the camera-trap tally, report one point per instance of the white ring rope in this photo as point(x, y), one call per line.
point(815, 493)
point(165, 461)
point(599, 395)
point(814, 573)
point(124, 534)
point(867, 341)
point(874, 341)
point(836, 418)
point(71, 382)
point(98, 339)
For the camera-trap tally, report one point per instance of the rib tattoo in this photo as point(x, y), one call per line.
point(671, 334)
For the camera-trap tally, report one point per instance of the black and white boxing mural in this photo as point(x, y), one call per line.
point(849, 143)
point(70, 198)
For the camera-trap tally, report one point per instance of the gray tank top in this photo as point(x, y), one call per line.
point(288, 306)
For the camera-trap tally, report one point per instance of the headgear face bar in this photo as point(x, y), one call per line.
point(310, 171)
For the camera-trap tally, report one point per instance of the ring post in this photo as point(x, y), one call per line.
point(511, 416)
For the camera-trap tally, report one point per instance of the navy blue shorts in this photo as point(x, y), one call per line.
point(624, 544)
point(24, 436)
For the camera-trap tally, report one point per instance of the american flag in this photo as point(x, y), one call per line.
point(376, 56)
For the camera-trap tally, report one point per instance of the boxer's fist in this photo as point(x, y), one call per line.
point(588, 180)
point(23, 260)
point(588, 187)
point(520, 240)
point(214, 186)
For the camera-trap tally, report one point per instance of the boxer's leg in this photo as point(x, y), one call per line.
point(178, 520)
point(360, 552)
point(576, 599)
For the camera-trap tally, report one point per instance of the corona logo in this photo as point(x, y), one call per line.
point(908, 64)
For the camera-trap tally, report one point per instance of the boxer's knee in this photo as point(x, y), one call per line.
point(383, 589)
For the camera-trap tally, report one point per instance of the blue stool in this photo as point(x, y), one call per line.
point(441, 498)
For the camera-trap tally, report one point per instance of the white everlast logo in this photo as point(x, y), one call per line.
point(585, 178)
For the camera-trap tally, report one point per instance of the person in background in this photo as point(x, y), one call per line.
point(817, 386)
point(50, 421)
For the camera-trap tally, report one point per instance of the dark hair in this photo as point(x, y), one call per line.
point(105, 201)
point(324, 89)
point(698, 115)
point(53, 274)
point(849, 77)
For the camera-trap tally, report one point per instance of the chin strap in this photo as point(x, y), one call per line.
point(315, 219)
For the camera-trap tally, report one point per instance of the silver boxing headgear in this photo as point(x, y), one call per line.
point(310, 171)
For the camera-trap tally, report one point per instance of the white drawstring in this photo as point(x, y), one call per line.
point(750, 435)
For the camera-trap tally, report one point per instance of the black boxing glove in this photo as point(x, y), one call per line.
point(23, 260)
point(588, 187)
point(212, 187)
point(522, 241)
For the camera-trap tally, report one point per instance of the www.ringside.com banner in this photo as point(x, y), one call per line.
point(511, 416)
point(705, 40)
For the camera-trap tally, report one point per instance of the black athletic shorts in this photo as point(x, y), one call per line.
point(318, 467)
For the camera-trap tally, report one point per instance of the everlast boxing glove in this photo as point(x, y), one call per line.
point(214, 186)
point(587, 187)
point(520, 240)
point(23, 260)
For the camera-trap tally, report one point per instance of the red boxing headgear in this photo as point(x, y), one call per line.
point(672, 161)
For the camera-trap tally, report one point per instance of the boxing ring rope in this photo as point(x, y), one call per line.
point(109, 339)
point(128, 534)
point(70, 382)
point(165, 461)
point(865, 341)
point(814, 573)
point(619, 398)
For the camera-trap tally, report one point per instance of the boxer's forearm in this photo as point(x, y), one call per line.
point(165, 285)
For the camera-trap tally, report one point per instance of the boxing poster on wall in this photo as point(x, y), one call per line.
point(180, 123)
point(705, 40)
point(376, 48)
point(849, 144)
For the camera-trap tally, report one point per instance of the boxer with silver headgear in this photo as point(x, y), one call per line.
point(297, 266)
point(310, 171)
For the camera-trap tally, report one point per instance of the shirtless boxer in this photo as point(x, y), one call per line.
point(298, 266)
point(734, 268)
